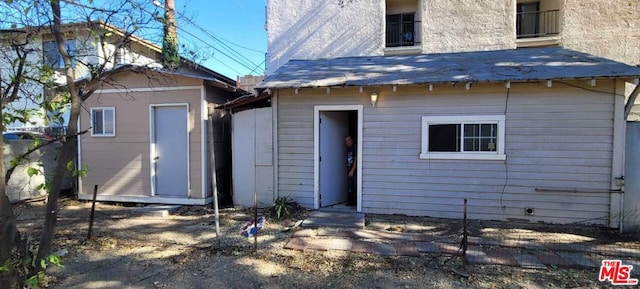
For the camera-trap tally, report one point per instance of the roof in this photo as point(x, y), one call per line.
point(99, 24)
point(245, 100)
point(528, 64)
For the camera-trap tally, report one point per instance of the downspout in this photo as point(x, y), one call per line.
point(631, 101)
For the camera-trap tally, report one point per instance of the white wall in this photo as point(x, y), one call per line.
point(21, 186)
point(462, 25)
point(252, 157)
point(308, 29)
point(87, 52)
point(609, 29)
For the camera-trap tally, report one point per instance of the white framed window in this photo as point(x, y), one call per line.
point(103, 121)
point(463, 137)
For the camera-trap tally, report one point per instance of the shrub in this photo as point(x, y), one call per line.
point(282, 208)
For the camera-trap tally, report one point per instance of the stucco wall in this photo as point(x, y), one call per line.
point(461, 25)
point(610, 29)
point(21, 186)
point(309, 29)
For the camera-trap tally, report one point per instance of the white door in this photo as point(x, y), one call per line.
point(333, 167)
point(170, 151)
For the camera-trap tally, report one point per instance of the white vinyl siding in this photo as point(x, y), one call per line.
point(103, 121)
point(554, 138)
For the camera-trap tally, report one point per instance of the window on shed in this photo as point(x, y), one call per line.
point(463, 137)
point(103, 121)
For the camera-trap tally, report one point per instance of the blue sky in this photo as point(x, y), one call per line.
point(237, 24)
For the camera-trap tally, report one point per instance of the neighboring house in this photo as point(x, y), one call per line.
point(87, 51)
point(446, 104)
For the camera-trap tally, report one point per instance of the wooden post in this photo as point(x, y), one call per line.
point(255, 221)
point(212, 165)
point(464, 238)
point(93, 209)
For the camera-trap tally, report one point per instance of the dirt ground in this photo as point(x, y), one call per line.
point(183, 251)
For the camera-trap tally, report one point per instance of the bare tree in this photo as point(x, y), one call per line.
point(108, 30)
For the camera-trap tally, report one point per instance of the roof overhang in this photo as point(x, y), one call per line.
point(516, 65)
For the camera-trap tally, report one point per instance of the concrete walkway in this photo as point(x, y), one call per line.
point(525, 253)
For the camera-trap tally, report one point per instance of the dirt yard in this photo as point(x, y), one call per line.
point(182, 251)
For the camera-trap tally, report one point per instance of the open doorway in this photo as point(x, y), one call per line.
point(332, 125)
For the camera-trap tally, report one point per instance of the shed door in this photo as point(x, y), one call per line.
point(333, 169)
point(170, 154)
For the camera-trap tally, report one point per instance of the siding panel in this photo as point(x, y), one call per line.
point(555, 138)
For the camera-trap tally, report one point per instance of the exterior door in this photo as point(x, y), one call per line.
point(333, 169)
point(169, 158)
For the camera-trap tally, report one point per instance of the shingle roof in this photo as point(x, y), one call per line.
point(528, 64)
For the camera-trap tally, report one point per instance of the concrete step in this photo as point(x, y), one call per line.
point(159, 211)
point(323, 219)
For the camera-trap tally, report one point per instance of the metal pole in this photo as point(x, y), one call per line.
point(93, 209)
point(212, 165)
point(255, 221)
point(464, 238)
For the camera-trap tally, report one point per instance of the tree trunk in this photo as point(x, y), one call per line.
point(170, 56)
point(8, 229)
point(67, 152)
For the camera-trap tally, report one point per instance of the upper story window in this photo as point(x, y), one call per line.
point(401, 30)
point(52, 57)
point(537, 19)
point(402, 24)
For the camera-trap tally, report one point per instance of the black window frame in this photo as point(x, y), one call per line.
point(401, 30)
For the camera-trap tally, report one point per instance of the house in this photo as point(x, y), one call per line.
point(149, 134)
point(154, 137)
point(513, 107)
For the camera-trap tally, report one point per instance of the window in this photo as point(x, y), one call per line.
point(463, 137)
point(122, 54)
point(52, 57)
point(401, 30)
point(103, 121)
point(534, 21)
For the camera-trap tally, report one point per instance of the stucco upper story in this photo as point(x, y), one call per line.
point(314, 29)
point(85, 48)
point(111, 47)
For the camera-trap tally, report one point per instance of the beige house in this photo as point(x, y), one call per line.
point(152, 138)
point(152, 134)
